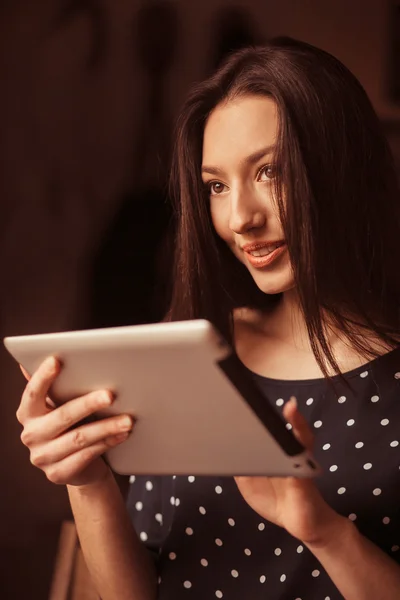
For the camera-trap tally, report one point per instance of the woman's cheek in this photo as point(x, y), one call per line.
point(220, 219)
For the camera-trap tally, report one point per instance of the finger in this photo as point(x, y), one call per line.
point(49, 401)
point(300, 426)
point(25, 373)
point(64, 471)
point(50, 404)
point(80, 438)
point(33, 402)
point(64, 417)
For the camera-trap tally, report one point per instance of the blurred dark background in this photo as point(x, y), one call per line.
point(90, 90)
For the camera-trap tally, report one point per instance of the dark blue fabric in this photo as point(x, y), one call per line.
point(211, 544)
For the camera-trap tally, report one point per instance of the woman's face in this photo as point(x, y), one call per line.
point(238, 170)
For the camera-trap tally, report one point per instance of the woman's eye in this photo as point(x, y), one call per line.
point(215, 188)
point(267, 173)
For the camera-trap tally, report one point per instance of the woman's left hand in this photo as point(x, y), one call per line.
point(292, 503)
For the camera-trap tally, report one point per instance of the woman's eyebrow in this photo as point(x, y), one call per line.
point(249, 160)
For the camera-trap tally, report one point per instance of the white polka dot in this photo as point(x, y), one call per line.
point(218, 489)
point(377, 492)
point(318, 424)
point(263, 579)
point(261, 527)
point(394, 444)
point(364, 374)
point(395, 548)
point(149, 486)
point(326, 447)
point(333, 468)
point(172, 556)
point(234, 573)
point(159, 518)
point(204, 562)
point(191, 478)
point(143, 536)
point(341, 490)
point(219, 594)
point(315, 573)
point(309, 401)
point(173, 476)
point(367, 466)
point(187, 584)
point(282, 578)
point(159, 580)
point(300, 549)
point(139, 505)
point(386, 520)
point(132, 479)
point(177, 502)
point(375, 399)
point(342, 399)
point(202, 510)
point(189, 531)
point(352, 516)
point(359, 444)
point(278, 551)
point(231, 522)
point(280, 402)
point(327, 598)
point(397, 375)
point(218, 542)
point(172, 500)
point(247, 552)
point(288, 426)
point(350, 422)
point(385, 422)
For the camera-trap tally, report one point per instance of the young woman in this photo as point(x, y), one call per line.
point(288, 238)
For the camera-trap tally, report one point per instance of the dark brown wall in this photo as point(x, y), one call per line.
point(71, 103)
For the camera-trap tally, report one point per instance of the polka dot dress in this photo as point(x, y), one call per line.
point(208, 543)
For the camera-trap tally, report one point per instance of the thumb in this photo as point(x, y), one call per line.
point(301, 428)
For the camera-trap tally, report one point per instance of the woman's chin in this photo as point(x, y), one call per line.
point(274, 284)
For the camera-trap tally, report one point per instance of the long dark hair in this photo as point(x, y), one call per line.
point(337, 195)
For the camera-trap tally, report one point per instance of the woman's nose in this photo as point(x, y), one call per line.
point(245, 212)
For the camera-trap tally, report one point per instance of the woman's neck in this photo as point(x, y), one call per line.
point(286, 322)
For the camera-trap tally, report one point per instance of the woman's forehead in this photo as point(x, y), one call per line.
point(238, 129)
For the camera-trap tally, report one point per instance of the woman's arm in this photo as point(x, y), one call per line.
point(69, 453)
point(358, 568)
point(118, 562)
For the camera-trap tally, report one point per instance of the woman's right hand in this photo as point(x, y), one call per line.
point(68, 456)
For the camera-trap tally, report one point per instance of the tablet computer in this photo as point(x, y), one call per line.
point(198, 409)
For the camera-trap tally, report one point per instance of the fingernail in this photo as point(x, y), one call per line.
point(293, 401)
point(52, 362)
point(126, 423)
point(107, 398)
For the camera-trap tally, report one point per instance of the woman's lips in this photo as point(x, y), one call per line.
point(260, 262)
